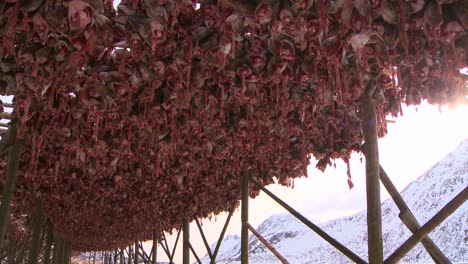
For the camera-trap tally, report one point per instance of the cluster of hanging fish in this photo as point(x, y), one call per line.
point(135, 118)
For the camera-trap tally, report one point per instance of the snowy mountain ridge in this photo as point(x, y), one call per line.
point(425, 197)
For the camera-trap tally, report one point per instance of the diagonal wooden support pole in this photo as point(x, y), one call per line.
point(175, 246)
point(221, 236)
point(194, 253)
point(410, 220)
point(205, 242)
point(438, 218)
point(165, 246)
point(336, 244)
point(371, 152)
point(143, 253)
point(268, 245)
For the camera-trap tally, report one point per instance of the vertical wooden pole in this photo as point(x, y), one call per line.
point(11, 251)
point(94, 257)
point(371, 152)
point(185, 242)
point(122, 259)
point(65, 258)
point(245, 218)
point(136, 252)
point(49, 241)
point(115, 256)
point(130, 254)
point(57, 249)
point(8, 188)
point(155, 247)
point(21, 258)
point(37, 222)
point(69, 251)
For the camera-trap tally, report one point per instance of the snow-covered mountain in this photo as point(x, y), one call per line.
point(425, 197)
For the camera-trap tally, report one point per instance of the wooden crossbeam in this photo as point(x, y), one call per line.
point(5, 115)
point(143, 253)
point(221, 236)
point(213, 254)
point(193, 252)
point(335, 243)
point(408, 218)
point(268, 245)
point(421, 233)
point(175, 245)
point(165, 246)
point(205, 242)
point(7, 105)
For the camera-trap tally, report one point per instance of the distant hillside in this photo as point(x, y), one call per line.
point(425, 196)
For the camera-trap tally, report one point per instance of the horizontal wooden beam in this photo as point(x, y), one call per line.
point(7, 105)
point(5, 115)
